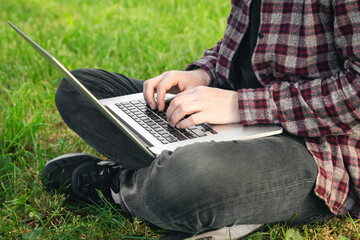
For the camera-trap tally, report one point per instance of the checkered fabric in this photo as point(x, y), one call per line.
point(307, 58)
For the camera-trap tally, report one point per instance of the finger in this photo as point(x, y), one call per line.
point(187, 92)
point(187, 95)
point(194, 119)
point(184, 110)
point(163, 86)
point(176, 101)
point(149, 90)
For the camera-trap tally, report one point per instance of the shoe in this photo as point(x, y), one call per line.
point(227, 233)
point(81, 176)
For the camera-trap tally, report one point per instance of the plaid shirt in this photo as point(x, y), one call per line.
point(307, 58)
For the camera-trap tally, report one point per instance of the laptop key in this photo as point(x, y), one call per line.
point(152, 132)
point(157, 136)
point(137, 112)
point(162, 132)
point(166, 135)
point(154, 122)
point(179, 136)
point(159, 120)
point(158, 129)
point(164, 125)
point(190, 135)
point(172, 130)
point(198, 132)
point(154, 117)
point(171, 139)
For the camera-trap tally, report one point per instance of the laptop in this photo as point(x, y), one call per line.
point(148, 128)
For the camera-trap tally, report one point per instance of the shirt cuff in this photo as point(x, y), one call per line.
point(256, 107)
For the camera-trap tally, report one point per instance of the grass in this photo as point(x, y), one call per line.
point(139, 38)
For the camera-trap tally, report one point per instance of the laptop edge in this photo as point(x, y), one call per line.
point(82, 89)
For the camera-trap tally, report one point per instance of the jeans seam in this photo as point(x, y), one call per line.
point(183, 215)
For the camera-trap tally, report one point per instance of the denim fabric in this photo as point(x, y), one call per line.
point(203, 185)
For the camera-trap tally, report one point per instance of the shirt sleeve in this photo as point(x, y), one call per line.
point(208, 63)
point(319, 107)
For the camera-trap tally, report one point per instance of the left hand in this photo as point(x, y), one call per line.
point(203, 105)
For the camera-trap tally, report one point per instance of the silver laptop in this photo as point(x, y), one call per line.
point(148, 128)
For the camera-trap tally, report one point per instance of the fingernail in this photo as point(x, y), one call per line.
point(151, 106)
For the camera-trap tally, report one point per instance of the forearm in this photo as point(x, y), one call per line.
point(308, 108)
point(204, 75)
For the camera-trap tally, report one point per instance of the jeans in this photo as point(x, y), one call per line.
point(203, 185)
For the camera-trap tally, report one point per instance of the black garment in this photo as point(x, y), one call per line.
point(241, 71)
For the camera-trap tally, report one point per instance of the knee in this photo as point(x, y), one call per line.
point(65, 91)
point(183, 183)
point(194, 164)
point(67, 95)
point(191, 171)
point(63, 98)
point(68, 99)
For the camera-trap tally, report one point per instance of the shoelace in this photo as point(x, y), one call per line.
point(114, 171)
point(102, 179)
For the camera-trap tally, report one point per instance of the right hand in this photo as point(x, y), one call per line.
point(172, 82)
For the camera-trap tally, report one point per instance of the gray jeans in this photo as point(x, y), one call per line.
point(204, 185)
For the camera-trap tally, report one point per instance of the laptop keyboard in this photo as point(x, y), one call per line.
point(155, 123)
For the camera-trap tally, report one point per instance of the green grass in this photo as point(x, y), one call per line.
point(139, 38)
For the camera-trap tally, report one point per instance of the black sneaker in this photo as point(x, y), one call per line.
point(80, 176)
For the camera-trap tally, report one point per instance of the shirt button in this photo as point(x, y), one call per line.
point(261, 35)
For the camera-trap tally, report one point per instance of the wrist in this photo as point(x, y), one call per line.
point(203, 76)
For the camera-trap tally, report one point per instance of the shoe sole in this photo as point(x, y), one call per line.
point(227, 233)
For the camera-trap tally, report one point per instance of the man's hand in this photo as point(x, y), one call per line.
point(172, 82)
point(203, 104)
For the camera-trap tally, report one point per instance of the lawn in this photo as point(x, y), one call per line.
point(138, 38)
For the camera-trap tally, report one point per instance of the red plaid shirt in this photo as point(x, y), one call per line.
point(307, 58)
